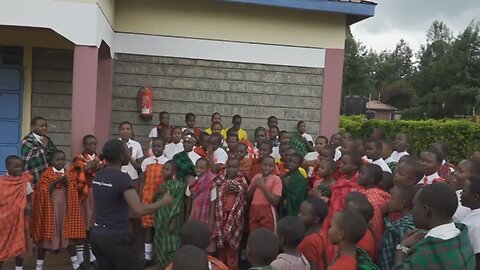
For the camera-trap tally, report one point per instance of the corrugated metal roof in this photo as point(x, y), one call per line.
point(377, 105)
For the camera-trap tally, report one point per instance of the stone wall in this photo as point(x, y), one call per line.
point(52, 93)
point(253, 91)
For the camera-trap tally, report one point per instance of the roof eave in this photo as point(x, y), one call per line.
point(355, 11)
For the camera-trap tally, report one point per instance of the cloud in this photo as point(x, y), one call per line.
point(410, 20)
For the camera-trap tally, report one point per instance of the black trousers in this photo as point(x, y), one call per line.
point(115, 252)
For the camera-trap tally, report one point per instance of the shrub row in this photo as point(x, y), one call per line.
point(462, 136)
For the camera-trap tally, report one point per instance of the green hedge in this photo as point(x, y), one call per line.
point(462, 136)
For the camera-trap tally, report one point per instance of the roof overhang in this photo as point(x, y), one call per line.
point(355, 11)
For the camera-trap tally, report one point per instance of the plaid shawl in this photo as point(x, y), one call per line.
point(36, 156)
point(394, 233)
point(200, 151)
point(378, 198)
point(294, 193)
point(298, 144)
point(200, 196)
point(340, 189)
point(446, 169)
point(185, 166)
point(245, 167)
point(230, 228)
point(153, 180)
point(13, 190)
point(84, 178)
point(433, 254)
point(43, 224)
point(364, 262)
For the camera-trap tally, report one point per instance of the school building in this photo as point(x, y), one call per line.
point(81, 63)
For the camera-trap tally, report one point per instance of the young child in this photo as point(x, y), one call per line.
point(476, 155)
point(302, 130)
point(464, 171)
point(185, 160)
point(164, 122)
point(402, 142)
point(203, 145)
point(471, 199)
point(169, 219)
point(359, 203)
point(395, 231)
point(245, 160)
point(57, 217)
point(349, 166)
point(409, 172)
point(190, 120)
point(37, 147)
point(369, 178)
point(273, 136)
point(285, 153)
point(438, 243)
point(202, 194)
point(85, 166)
point(447, 167)
point(260, 136)
point(236, 126)
point(290, 234)
point(312, 159)
point(264, 150)
point(299, 142)
point(262, 249)
point(431, 161)
point(387, 152)
point(216, 118)
point(15, 207)
point(190, 257)
point(216, 155)
point(294, 187)
point(198, 234)
point(347, 229)
point(272, 121)
point(176, 146)
point(284, 137)
point(336, 141)
point(322, 185)
point(135, 149)
point(152, 178)
point(217, 128)
point(373, 149)
point(312, 212)
point(265, 192)
point(231, 141)
point(230, 213)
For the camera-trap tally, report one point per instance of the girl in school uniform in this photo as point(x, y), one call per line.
point(57, 218)
point(136, 153)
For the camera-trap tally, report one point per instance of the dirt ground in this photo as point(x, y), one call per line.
point(61, 261)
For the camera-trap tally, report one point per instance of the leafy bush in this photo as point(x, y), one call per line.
point(462, 136)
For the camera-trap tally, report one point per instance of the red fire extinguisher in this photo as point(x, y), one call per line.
point(145, 102)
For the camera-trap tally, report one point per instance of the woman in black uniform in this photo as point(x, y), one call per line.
point(114, 194)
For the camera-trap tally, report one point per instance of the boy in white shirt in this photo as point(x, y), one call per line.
point(373, 149)
point(136, 153)
point(471, 198)
point(302, 130)
point(402, 142)
point(176, 146)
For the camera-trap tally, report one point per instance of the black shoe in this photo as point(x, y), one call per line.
point(85, 266)
point(147, 263)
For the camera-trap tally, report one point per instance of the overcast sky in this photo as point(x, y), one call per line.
point(410, 20)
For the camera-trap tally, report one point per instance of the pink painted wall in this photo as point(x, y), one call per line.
point(104, 95)
point(91, 95)
point(332, 91)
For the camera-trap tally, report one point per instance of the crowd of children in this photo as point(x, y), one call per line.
point(281, 201)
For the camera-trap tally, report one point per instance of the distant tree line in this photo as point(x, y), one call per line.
point(441, 80)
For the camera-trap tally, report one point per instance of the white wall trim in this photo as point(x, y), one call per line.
point(218, 50)
point(81, 23)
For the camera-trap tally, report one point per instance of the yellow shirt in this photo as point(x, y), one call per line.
point(242, 134)
point(224, 132)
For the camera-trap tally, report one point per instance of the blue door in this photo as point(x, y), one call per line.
point(10, 112)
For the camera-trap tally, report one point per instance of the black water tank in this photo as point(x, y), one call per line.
point(355, 105)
